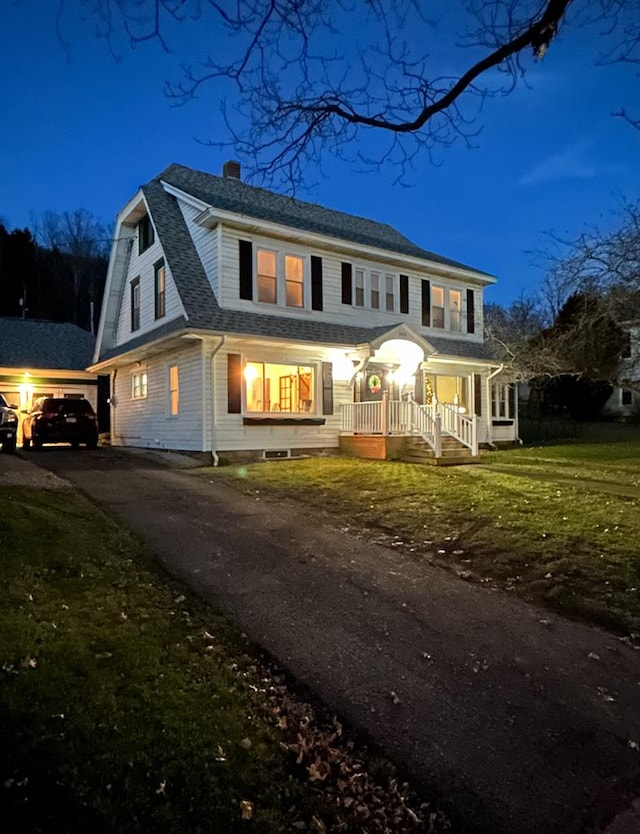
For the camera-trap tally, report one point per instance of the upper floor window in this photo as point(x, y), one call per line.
point(135, 304)
point(160, 290)
point(359, 299)
point(294, 281)
point(390, 292)
point(267, 277)
point(455, 310)
point(437, 306)
point(375, 290)
point(146, 234)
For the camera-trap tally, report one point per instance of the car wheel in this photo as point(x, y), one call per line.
point(37, 445)
point(92, 444)
point(75, 445)
point(9, 446)
point(26, 443)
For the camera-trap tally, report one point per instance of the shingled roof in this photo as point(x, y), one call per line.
point(29, 343)
point(202, 308)
point(233, 195)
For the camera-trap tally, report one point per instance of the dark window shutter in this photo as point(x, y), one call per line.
point(234, 383)
point(477, 394)
point(426, 304)
point(245, 252)
point(511, 394)
point(471, 312)
point(316, 283)
point(327, 388)
point(418, 394)
point(346, 283)
point(404, 293)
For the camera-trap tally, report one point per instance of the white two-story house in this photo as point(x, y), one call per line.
point(237, 321)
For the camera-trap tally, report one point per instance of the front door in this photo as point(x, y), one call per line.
point(375, 380)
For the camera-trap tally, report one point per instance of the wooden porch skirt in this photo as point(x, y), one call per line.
point(374, 446)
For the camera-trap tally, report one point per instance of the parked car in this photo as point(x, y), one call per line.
point(57, 420)
point(8, 425)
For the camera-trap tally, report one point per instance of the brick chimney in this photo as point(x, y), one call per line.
point(231, 169)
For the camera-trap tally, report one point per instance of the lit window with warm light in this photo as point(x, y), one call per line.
point(455, 310)
point(279, 388)
point(174, 391)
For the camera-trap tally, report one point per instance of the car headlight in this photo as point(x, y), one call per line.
point(9, 417)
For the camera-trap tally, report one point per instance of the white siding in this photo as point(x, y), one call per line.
point(205, 241)
point(147, 422)
point(142, 266)
point(334, 310)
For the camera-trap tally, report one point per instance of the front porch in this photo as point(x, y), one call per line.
point(387, 429)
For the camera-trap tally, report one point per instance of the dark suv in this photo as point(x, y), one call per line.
point(8, 425)
point(56, 420)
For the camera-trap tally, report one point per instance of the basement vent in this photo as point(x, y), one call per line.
point(275, 454)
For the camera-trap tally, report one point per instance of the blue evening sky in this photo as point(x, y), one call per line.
point(80, 129)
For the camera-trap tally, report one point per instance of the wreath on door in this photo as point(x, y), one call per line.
point(375, 383)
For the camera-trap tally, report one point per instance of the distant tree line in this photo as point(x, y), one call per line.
point(56, 270)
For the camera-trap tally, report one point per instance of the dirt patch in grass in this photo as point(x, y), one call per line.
point(542, 536)
point(127, 705)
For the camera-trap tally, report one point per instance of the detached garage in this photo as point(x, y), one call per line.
point(45, 359)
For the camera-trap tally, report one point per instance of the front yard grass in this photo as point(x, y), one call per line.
point(557, 525)
point(127, 705)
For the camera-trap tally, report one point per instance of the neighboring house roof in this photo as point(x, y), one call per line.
point(28, 343)
point(233, 195)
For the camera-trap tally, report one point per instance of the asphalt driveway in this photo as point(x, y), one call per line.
point(521, 721)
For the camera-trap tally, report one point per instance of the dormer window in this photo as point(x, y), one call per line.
point(146, 234)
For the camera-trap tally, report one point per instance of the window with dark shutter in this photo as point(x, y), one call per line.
point(477, 395)
point(234, 383)
point(471, 312)
point(327, 388)
point(404, 293)
point(347, 292)
point(245, 255)
point(316, 283)
point(426, 303)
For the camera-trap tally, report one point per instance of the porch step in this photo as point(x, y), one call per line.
point(453, 453)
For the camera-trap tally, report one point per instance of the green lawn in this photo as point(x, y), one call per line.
point(559, 525)
point(126, 705)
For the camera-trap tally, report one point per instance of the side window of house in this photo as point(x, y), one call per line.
point(160, 290)
point(375, 290)
point(503, 401)
point(139, 385)
point(437, 307)
point(174, 390)
point(135, 303)
point(146, 234)
point(359, 299)
point(390, 293)
point(626, 397)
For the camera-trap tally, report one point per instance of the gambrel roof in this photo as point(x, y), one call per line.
point(231, 194)
point(203, 313)
point(29, 343)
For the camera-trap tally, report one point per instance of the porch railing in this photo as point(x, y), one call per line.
point(426, 422)
point(405, 417)
point(460, 426)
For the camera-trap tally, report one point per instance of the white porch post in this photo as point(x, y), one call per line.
point(385, 414)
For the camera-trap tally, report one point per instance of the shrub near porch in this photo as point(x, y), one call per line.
point(560, 527)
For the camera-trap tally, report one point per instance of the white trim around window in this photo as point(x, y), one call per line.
point(375, 289)
point(139, 385)
point(282, 278)
point(280, 388)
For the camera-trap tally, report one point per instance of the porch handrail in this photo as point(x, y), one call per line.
point(427, 423)
point(460, 426)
